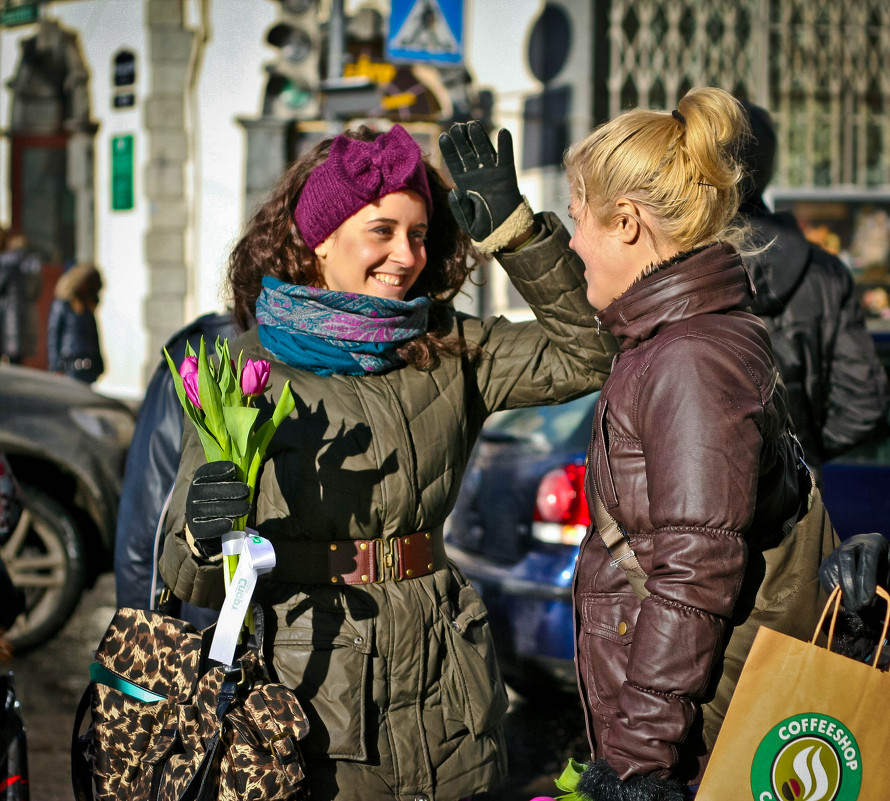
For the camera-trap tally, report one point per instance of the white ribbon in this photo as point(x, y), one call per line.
point(257, 556)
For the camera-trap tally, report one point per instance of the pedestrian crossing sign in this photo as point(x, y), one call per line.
point(429, 31)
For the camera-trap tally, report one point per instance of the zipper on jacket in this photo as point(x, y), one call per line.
point(598, 453)
point(598, 323)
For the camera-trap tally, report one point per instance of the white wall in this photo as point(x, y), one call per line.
point(231, 83)
point(105, 28)
point(102, 28)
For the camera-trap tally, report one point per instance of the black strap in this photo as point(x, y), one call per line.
point(202, 786)
point(81, 777)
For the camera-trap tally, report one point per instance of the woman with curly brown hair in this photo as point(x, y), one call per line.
point(348, 271)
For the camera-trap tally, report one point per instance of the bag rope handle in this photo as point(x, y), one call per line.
point(834, 599)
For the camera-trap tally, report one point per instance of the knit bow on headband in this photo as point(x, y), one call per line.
point(358, 173)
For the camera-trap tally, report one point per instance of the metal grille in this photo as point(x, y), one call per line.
point(821, 67)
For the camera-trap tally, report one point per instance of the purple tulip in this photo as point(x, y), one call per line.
point(254, 377)
point(190, 384)
point(189, 365)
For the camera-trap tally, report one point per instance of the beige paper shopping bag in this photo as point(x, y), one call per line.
point(804, 724)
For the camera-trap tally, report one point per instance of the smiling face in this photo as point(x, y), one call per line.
point(380, 250)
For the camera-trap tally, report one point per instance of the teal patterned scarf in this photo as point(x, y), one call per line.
point(336, 332)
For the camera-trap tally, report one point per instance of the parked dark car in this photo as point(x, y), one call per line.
point(66, 445)
point(521, 515)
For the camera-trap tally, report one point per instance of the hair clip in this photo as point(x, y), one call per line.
point(678, 117)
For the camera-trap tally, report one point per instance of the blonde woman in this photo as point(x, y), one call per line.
point(691, 453)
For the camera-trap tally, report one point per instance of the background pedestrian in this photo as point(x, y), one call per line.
point(837, 387)
point(21, 283)
point(73, 347)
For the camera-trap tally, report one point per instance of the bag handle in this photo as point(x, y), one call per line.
point(834, 600)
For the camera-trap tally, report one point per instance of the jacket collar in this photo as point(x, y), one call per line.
point(699, 282)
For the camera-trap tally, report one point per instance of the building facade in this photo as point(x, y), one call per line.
point(139, 134)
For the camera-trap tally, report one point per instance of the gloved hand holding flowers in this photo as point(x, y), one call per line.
point(218, 399)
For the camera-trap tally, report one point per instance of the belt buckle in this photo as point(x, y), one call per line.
point(387, 559)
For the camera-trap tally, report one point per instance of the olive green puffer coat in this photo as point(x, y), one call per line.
point(399, 679)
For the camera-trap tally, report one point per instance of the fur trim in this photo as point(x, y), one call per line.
point(520, 220)
point(600, 782)
point(658, 266)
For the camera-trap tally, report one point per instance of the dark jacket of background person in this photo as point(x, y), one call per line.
point(21, 282)
point(72, 334)
point(836, 384)
point(837, 387)
point(151, 467)
point(693, 456)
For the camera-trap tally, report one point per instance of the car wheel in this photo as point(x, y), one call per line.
point(45, 558)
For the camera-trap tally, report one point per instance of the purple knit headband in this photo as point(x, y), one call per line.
point(358, 173)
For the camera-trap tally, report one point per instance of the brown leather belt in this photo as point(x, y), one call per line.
point(360, 561)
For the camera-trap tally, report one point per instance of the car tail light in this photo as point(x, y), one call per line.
point(560, 507)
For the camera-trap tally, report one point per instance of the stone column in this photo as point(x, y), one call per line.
point(81, 182)
point(169, 57)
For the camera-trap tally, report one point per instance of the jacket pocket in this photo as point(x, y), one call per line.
point(472, 688)
point(608, 622)
point(324, 655)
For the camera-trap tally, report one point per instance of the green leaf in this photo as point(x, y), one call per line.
point(239, 424)
point(212, 450)
point(228, 383)
point(211, 399)
point(285, 405)
point(238, 395)
point(177, 381)
point(261, 438)
point(193, 412)
point(568, 780)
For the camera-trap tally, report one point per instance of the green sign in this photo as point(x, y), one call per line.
point(19, 15)
point(122, 173)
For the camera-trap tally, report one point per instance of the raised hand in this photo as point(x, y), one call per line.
point(487, 193)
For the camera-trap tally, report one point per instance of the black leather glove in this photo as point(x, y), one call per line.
point(858, 564)
point(600, 782)
point(487, 194)
point(216, 498)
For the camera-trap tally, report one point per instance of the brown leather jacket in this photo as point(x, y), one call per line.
point(692, 454)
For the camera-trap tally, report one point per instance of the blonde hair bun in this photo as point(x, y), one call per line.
point(681, 166)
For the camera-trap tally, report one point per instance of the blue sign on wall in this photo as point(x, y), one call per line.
point(428, 31)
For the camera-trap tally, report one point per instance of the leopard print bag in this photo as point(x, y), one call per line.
point(167, 726)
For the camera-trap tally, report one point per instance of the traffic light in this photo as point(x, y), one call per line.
point(293, 82)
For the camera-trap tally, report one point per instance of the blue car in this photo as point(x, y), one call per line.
point(521, 516)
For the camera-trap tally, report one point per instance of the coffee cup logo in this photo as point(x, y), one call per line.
point(807, 757)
